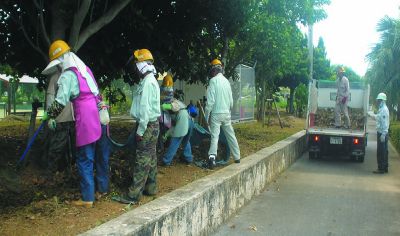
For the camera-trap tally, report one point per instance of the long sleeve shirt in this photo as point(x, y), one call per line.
point(67, 114)
point(343, 88)
point(382, 119)
point(146, 103)
point(219, 96)
point(68, 89)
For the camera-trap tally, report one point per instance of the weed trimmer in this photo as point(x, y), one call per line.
point(29, 146)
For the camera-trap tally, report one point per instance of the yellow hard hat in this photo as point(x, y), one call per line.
point(57, 49)
point(168, 81)
point(216, 62)
point(143, 55)
point(341, 69)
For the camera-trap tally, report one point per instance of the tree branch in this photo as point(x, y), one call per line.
point(42, 25)
point(79, 17)
point(36, 47)
point(99, 23)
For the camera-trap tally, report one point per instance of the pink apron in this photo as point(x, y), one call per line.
point(87, 120)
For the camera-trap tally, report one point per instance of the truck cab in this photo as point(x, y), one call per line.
point(323, 137)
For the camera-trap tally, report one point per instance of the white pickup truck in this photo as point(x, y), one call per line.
point(323, 138)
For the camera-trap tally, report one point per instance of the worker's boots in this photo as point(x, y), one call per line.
point(211, 161)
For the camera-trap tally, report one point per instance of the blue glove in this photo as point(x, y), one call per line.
point(52, 124)
point(382, 138)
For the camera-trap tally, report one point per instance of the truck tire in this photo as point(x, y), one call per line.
point(313, 155)
point(359, 159)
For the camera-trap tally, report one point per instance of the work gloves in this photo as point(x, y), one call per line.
point(166, 135)
point(45, 116)
point(51, 123)
point(382, 138)
point(166, 106)
point(103, 112)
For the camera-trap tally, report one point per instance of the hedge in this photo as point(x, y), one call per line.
point(395, 134)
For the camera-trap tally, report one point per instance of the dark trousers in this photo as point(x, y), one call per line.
point(61, 146)
point(382, 153)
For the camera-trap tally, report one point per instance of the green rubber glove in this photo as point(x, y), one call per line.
point(166, 135)
point(166, 106)
point(45, 116)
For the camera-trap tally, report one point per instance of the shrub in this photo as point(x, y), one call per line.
point(395, 134)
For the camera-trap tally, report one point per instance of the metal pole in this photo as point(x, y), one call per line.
point(311, 57)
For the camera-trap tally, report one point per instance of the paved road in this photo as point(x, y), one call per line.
point(326, 197)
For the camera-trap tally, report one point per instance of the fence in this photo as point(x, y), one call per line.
point(244, 94)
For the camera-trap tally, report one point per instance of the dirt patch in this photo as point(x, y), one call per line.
point(40, 207)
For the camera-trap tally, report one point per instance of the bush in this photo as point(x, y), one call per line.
point(395, 134)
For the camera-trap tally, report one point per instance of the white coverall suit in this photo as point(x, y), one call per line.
point(218, 113)
point(343, 94)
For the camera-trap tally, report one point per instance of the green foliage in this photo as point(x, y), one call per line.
point(322, 69)
point(384, 58)
point(395, 134)
point(301, 95)
point(350, 74)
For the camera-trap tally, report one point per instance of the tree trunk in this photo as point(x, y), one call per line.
point(14, 96)
point(9, 94)
point(291, 99)
point(263, 102)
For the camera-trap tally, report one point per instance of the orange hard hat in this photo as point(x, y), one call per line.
point(168, 81)
point(216, 62)
point(340, 69)
point(57, 49)
point(143, 55)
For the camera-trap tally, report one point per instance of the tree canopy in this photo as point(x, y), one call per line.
point(183, 36)
point(384, 58)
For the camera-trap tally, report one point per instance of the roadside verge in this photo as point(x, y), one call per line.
point(201, 206)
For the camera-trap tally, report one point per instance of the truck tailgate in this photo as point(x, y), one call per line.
point(336, 132)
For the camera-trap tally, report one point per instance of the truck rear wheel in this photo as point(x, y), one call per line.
point(313, 155)
point(359, 159)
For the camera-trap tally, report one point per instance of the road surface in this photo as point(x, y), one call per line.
point(326, 197)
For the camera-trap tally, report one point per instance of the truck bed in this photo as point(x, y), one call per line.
point(337, 132)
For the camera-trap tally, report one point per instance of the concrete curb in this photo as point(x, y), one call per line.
point(201, 206)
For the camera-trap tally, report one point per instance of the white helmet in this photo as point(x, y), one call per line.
point(381, 96)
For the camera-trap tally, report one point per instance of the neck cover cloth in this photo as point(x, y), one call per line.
point(143, 67)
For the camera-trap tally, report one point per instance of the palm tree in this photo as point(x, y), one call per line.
point(384, 72)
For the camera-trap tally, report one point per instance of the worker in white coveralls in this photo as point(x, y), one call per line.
point(218, 112)
point(342, 98)
point(382, 128)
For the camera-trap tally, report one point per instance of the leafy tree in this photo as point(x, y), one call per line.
point(322, 69)
point(384, 72)
point(30, 27)
point(350, 73)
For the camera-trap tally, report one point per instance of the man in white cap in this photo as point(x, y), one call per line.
point(382, 128)
point(78, 85)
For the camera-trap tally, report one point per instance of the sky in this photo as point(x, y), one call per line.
point(349, 31)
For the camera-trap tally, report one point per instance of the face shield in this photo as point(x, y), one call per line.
point(53, 67)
